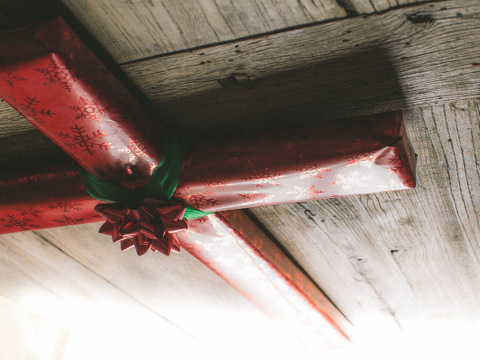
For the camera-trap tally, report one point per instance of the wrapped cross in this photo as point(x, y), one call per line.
point(150, 181)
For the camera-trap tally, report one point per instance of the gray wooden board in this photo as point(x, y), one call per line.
point(411, 257)
point(172, 300)
point(134, 29)
point(343, 68)
point(139, 28)
point(45, 280)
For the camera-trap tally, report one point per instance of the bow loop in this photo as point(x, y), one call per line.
point(144, 227)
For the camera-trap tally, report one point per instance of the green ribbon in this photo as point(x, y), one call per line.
point(161, 186)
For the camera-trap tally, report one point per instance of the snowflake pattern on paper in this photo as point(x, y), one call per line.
point(88, 109)
point(300, 192)
point(393, 184)
point(20, 223)
point(311, 171)
point(65, 220)
point(216, 184)
point(261, 179)
point(199, 201)
point(29, 211)
point(11, 77)
point(57, 74)
point(87, 143)
point(31, 109)
point(136, 149)
point(66, 206)
point(352, 180)
point(253, 197)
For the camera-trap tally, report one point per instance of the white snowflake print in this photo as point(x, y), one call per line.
point(393, 184)
point(352, 180)
point(314, 172)
point(299, 192)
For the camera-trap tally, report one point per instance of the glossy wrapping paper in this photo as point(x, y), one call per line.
point(65, 91)
point(53, 79)
point(44, 199)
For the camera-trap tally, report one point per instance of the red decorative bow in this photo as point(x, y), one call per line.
point(144, 227)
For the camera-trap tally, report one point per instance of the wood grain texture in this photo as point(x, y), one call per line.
point(45, 280)
point(364, 7)
point(134, 29)
point(408, 257)
point(177, 290)
point(405, 57)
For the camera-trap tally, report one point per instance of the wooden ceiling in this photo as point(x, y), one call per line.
point(394, 263)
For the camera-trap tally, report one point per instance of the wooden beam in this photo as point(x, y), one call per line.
point(44, 279)
point(179, 290)
point(130, 30)
point(410, 257)
point(413, 56)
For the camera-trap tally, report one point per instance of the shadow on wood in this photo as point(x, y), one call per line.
point(363, 83)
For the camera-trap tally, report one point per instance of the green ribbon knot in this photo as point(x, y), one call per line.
point(162, 185)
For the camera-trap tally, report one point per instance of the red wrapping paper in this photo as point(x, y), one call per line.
point(44, 199)
point(353, 156)
point(51, 77)
point(233, 246)
point(55, 81)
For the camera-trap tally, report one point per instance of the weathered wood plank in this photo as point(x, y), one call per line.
point(133, 29)
point(179, 288)
point(405, 57)
point(410, 256)
point(47, 281)
point(364, 7)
